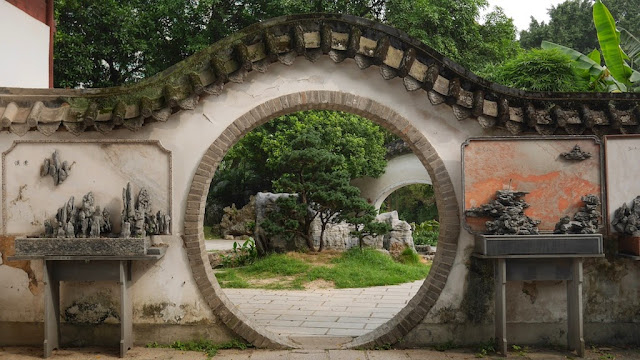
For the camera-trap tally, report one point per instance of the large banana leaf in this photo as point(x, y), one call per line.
point(609, 39)
point(631, 46)
point(583, 62)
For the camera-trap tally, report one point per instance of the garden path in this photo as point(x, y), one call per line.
point(323, 312)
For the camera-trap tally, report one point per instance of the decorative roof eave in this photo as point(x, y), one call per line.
point(285, 38)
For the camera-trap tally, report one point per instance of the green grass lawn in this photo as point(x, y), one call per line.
point(351, 269)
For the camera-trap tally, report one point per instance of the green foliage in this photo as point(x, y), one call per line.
point(229, 278)
point(452, 27)
point(354, 268)
point(111, 42)
point(414, 203)
point(207, 346)
point(242, 254)
point(368, 267)
point(631, 46)
point(362, 216)
point(426, 233)
point(571, 24)
point(609, 40)
point(256, 160)
point(409, 256)
point(277, 265)
point(539, 70)
point(485, 348)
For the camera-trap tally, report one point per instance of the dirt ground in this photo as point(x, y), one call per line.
point(593, 353)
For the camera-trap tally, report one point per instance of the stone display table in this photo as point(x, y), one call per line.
point(87, 268)
point(514, 259)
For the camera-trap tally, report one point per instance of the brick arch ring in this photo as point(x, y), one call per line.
point(448, 210)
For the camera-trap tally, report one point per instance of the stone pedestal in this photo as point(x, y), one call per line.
point(82, 246)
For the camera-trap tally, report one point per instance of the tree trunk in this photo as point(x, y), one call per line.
point(321, 246)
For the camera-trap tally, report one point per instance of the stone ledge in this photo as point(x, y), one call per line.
point(81, 246)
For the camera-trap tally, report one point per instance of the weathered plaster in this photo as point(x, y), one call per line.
point(400, 171)
point(169, 291)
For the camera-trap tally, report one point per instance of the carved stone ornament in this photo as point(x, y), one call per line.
point(627, 220)
point(59, 170)
point(585, 221)
point(507, 212)
point(138, 220)
point(79, 222)
point(576, 154)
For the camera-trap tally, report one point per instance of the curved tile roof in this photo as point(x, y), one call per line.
point(285, 38)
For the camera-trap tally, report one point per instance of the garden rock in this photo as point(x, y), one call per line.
point(239, 222)
point(400, 237)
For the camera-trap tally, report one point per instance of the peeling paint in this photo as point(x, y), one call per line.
point(7, 249)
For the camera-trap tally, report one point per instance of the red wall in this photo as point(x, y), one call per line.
point(36, 8)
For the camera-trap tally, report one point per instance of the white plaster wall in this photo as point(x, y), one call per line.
point(24, 44)
point(189, 133)
point(400, 171)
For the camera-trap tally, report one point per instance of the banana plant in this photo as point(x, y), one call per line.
point(617, 75)
point(588, 67)
point(609, 40)
point(631, 46)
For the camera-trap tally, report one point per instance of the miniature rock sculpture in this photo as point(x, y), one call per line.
point(137, 218)
point(106, 222)
point(76, 222)
point(58, 170)
point(585, 221)
point(508, 211)
point(627, 220)
point(576, 154)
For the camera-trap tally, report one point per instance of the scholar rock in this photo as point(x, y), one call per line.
point(139, 217)
point(585, 221)
point(507, 210)
point(58, 170)
point(77, 222)
point(627, 220)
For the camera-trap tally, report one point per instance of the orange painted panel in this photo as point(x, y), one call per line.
point(535, 165)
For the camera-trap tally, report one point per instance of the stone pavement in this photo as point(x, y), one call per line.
point(221, 244)
point(23, 353)
point(323, 312)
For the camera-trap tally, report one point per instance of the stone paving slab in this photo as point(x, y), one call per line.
point(323, 312)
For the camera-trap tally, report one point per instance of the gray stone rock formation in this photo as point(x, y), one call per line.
point(336, 236)
point(58, 170)
point(238, 222)
point(585, 221)
point(400, 237)
point(77, 222)
point(507, 210)
point(576, 154)
point(138, 220)
point(627, 220)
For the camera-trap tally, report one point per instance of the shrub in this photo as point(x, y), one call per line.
point(538, 70)
point(426, 233)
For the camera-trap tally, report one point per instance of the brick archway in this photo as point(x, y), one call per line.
point(446, 200)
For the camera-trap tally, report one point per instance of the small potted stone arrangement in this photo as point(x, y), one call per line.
point(626, 222)
point(511, 232)
point(85, 229)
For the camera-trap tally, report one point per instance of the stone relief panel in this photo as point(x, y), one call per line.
point(103, 168)
point(554, 185)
